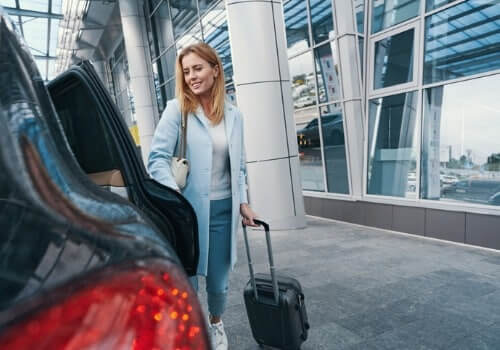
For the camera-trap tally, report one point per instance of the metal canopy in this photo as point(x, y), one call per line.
point(38, 22)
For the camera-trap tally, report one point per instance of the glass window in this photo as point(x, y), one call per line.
point(394, 60)
point(321, 20)
point(162, 28)
point(167, 65)
point(311, 164)
point(216, 34)
point(35, 33)
point(297, 32)
point(361, 46)
point(332, 128)
point(34, 5)
point(434, 4)
point(460, 147)
point(462, 40)
point(387, 13)
point(170, 88)
point(359, 12)
point(204, 5)
point(327, 74)
point(184, 15)
point(303, 87)
point(191, 37)
point(391, 146)
point(231, 94)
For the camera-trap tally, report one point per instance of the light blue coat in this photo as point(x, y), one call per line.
point(199, 155)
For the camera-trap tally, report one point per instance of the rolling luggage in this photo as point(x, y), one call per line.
point(275, 304)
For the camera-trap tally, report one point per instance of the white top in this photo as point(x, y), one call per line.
point(221, 177)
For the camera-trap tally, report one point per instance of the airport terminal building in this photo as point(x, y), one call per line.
point(380, 113)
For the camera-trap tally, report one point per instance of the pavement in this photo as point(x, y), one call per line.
point(368, 288)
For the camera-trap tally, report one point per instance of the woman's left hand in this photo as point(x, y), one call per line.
point(248, 215)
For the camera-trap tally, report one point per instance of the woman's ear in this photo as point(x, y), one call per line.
point(216, 71)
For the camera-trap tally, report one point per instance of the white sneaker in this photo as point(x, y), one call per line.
point(218, 337)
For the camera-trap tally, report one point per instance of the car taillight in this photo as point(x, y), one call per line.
point(133, 307)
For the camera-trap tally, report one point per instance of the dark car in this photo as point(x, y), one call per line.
point(80, 266)
point(332, 129)
point(476, 190)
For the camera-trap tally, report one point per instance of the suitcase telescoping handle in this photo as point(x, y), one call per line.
point(271, 261)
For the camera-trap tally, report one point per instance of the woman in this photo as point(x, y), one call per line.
point(216, 184)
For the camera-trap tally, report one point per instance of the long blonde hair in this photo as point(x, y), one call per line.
point(188, 101)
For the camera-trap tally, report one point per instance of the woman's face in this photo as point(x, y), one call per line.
point(199, 75)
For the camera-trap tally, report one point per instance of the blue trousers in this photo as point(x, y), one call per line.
point(219, 256)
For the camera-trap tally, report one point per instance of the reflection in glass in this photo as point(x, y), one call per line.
point(167, 65)
point(162, 29)
point(434, 4)
point(204, 5)
point(332, 129)
point(216, 34)
point(191, 37)
point(462, 40)
point(321, 20)
point(394, 60)
point(361, 46)
point(460, 147)
point(170, 89)
point(303, 87)
point(327, 72)
point(184, 15)
point(159, 91)
point(311, 165)
point(297, 32)
point(387, 13)
point(359, 12)
point(391, 146)
point(231, 94)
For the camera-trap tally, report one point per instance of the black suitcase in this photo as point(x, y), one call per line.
point(275, 304)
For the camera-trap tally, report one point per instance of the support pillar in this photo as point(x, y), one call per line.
point(264, 96)
point(139, 62)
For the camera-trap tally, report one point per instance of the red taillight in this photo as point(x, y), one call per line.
point(137, 307)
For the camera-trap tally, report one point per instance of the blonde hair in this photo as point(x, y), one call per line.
point(188, 101)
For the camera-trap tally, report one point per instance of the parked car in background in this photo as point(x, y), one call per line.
point(476, 190)
point(304, 101)
point(82, 267)
point(495, 199)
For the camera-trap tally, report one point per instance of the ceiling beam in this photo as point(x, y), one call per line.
point(37, 14)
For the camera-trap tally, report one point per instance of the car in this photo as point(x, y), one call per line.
point(447, 179)
point(81, 266)
point(332, 129)
point(473, 190)
point(304, 101)
point(495, 199)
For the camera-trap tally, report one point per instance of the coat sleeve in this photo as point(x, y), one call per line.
point(242, 181)
point(163, 145)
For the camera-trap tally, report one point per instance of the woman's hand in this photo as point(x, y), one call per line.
point(248, 215)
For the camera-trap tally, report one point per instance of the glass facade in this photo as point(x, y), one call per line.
point(173, 25)
point(387, 13)
point(122, 91)
point(312, 46)
point(461, 148)
point(431, 112)
point(437, 138)
point(394, 60)
point(462, 40)
point(391, 145)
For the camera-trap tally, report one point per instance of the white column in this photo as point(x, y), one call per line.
point(139, 65)
point(263, 92)
point(353, 109)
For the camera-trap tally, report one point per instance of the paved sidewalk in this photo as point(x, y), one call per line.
point(373, 289)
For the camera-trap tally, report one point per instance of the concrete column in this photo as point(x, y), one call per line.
point(141, 76)
point(264, 95)
point(351, 87)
